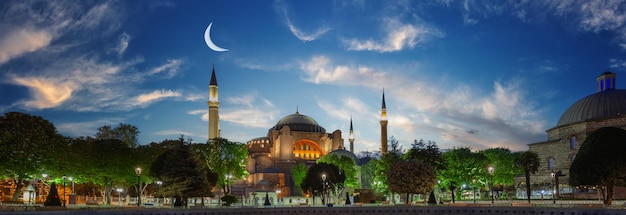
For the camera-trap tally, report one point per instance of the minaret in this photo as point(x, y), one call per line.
point(351, 137)
point(214, 105)
point(383, 127)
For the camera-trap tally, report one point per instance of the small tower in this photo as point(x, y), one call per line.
point(606, 81)
point(214, 105)
point(383, 127)
point(351, 138)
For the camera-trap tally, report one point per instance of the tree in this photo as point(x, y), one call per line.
point(298, 173)
point(503, 161)
point(347, 165)
point(226, 159)
point(103, 162)
point(29, 145)
point(368, 171)
point(322, 177)
point(600, 161)
point(124, 132)
point(427, 153)
point(183, 174)
point(411, 177)
point(462, 166)
point(384, 164)
point(529, 162)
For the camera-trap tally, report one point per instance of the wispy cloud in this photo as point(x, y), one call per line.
point(505, 114)
point(250, 111)
point(398, 36)
point(172, 66)
point(19, 41)
point(147, 98)
point(298, 33)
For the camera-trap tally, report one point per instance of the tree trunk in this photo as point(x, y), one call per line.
point(528, 191)
point(18, 188)
point(609, 194)
point(452, 195)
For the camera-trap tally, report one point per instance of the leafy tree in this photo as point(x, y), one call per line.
point(462, 166)
point(427, 153)
point(529, 162)
point(125, 132)
point(314, 182)
point(347, 165)
point(298, 173)
point(384, 164)
point(226, 158)
point(503, 161)
point(103, 162)
point(368, 172)
point(183, 174)
point(600, 161)
point(411, 177)
point(29, 145)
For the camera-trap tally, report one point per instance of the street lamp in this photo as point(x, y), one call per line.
point(119, 196)
point(64, 197)
point(72, 180)
point(323, 189)
point(553, 187)
point(490, 170)
point(138, 172)
point(159, 183)
point(474, 190)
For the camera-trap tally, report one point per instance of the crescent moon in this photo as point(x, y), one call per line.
point(209, 42)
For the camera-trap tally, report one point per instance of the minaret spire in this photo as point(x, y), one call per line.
point(214, 105)
point(383, 127)
point(351, 137)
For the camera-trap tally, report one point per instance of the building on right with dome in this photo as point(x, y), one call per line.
point(605, 108)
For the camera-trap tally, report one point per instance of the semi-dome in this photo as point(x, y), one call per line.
point(600, 105)
point(299, 122)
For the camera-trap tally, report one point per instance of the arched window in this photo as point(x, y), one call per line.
point(551, 163)
point(572, 143)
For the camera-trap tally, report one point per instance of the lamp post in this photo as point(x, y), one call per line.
point(119, 196)
point(474, 190)
point(159, 183)
point(490, 170)
point(553, 187)
point(64, 197)
point(138, 172)
point(323, 189)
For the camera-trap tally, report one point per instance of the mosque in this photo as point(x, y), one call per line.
point(605, 108)
point(295, 139)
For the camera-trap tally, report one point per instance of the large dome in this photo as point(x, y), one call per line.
point(299, 122)
point(600, 105)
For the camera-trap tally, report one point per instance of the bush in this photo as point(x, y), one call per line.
point(229, 199)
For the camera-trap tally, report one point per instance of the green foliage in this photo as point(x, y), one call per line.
point(463, 166)
point(229, 199)
point(600, 161)
point(124, 132)
point(384, 164)
point(426, 152)
point(30, 145)
point(226, 158)
point(53, 197)
point(368, 172)
point(298, 174)
point(528, 162)
point(182, 173)
point(347, 165)
point(503, 162)
point(411, 177)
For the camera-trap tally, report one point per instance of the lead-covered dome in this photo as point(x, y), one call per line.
point(600, 105)
point(299, 122)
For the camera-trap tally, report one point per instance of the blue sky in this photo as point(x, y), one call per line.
point(478, 74)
